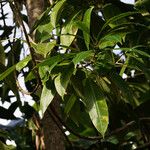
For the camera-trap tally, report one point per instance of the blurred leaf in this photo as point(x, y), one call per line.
point(6, 147)
point(96, 106)
point(123, 86)
point(142, 5)
point(70, 103)
point(56, 11)
point(111, 11)
point(118, 17)
point(2, 54)
point(51, 62)
point(81, 56)
point(44, 48)
point(111, 40)
point(7, 72)
point(23, 63)
point(87, 22)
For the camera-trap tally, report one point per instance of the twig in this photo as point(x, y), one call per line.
point(2, 12)
point(118, 130)
point(17, 13)
point(24, 91)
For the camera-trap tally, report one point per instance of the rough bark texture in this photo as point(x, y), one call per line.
point(53, 137)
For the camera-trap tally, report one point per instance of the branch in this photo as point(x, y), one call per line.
point(118, 130)
point(17, 14)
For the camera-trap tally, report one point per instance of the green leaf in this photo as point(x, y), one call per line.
point(44, 48)
point(7, 72)
point(68, 34)
point(142, 5)
point(116, 18)
point(70, 103)
point(110, 11)
point(23, 63)
point(62, 80)
point(56, 11)
point(47, 96)
point(18, 66)
point(6, 147)
point(96, 106)
point(81, 56)
point(123, 86)
point(87, 22)
point(111, 40)
point(2, 54)
point(51, 62)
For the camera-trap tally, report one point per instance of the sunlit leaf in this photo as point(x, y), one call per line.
point(68, 34)
point(6, 147)
point(56, 11)
point(7, 72)
point(23, 63)
point(47, 96)
point(81, 56)
point(44, 48)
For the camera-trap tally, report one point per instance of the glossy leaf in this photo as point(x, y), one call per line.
point(96, 106)
point(68, 34)
point(47, 96)
point(62, 80)
point(87, 22)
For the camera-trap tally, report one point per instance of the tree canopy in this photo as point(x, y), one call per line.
point(93, 57)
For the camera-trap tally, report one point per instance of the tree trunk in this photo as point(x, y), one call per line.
point(53, 137)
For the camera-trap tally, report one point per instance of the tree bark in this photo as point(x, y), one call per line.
point(53, 137)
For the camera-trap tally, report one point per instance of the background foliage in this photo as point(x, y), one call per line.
point(94, 55)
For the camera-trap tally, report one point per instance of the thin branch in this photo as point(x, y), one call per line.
point(2, 12)
point(17, 13)
point(70, 130)
point(118, 130)
point(24, 91)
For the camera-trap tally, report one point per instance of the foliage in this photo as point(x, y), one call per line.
point(85, 49)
